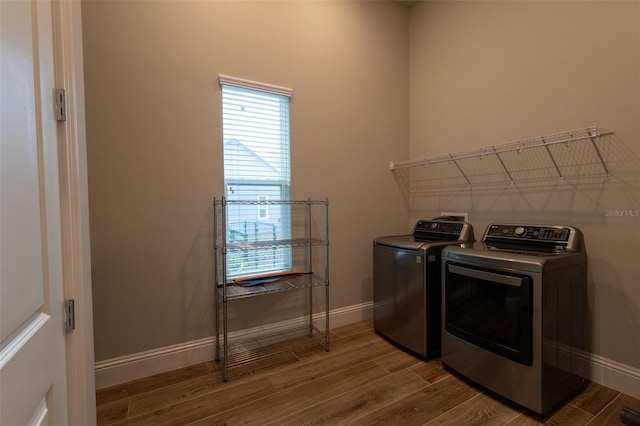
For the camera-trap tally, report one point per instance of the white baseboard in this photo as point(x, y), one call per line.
point(614, 375)
point(606, 372)
point(144, 364)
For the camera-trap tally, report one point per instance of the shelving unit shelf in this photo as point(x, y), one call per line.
point(275, 346)
point(575, 154)
point(297, 283)
point(257, 239)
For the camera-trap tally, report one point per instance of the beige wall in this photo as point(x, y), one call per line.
point(480, 73)
point(485, 73)
point(155, 148)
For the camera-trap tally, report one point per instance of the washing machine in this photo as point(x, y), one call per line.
point(514, 313)
point(406, 283)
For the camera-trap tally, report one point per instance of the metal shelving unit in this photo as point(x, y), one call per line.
point(306, 245)
point(576, 154)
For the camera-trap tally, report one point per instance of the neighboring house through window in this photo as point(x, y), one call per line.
point(255, 121)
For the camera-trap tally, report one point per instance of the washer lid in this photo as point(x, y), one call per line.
point(430, 233)
point(405, 242)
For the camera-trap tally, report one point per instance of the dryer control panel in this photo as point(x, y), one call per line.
point(567, 237)
point(554, 234)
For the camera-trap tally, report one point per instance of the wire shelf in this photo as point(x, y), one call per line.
point(277, 243)
point(219, 201)
point(576, 154)
point(253, 242)
point(258, 348)
point(235, 291)
point(248, 355)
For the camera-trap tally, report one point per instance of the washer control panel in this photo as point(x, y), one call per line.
point(550, 234)
point(423, 226)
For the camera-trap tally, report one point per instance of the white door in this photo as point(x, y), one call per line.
point(33, 386)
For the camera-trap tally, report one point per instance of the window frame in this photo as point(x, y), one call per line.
point(242, 184)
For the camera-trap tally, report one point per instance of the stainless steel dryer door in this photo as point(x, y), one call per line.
point(399, 310)
point(491, 309)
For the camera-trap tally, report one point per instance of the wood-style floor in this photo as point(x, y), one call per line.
point(362, 380)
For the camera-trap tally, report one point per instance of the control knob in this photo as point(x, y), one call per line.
point(520, 231)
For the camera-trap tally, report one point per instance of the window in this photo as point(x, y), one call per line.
point(255, 125)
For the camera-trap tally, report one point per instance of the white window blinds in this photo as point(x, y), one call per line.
point(256, 136)
point(255, 119)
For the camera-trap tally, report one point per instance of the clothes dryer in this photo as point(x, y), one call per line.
point(514, 313)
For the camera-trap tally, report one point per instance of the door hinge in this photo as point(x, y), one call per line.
point(61, 105)
point(70, 320)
